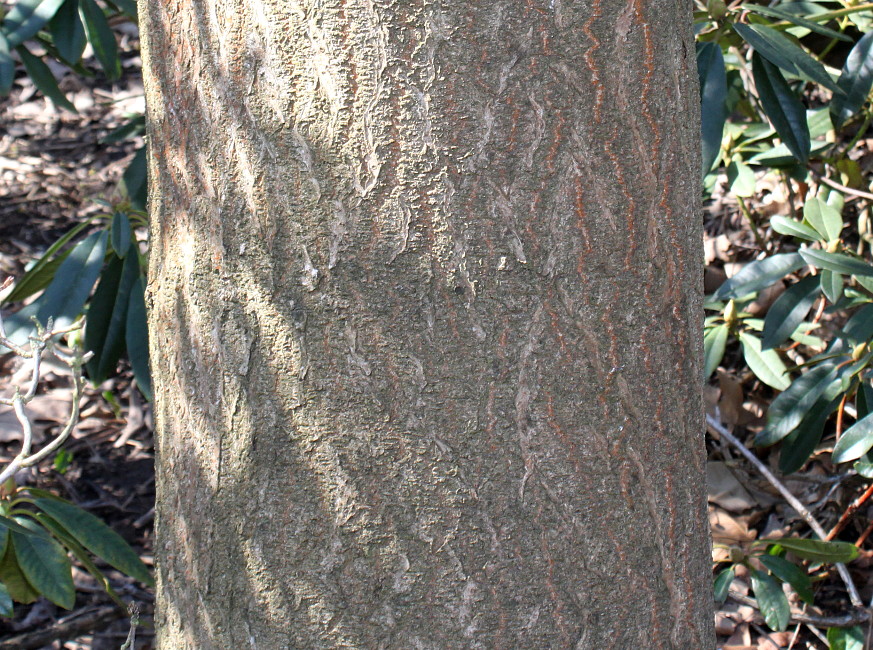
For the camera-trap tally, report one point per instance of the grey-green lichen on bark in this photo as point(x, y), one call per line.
point(424, 297)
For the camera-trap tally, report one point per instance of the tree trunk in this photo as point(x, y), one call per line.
point(425, 308)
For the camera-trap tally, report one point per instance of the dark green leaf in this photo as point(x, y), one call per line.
point(836, 262)
point(816, 550)
point(831, 285)
point(40, 274)
point(713, 93)
point(859, 328)
point(47, 568)
point(14, 526)
point(14, 580)
point(846, 638)
point(759, 274)
point(101, 37)
point(792, 574)
point(43, 79)
point(134, 179)
point(780, 156)
point(789, 408)
point(766, 364)
point(137, 339)
point(5, 602)
point(741, 179)
point(120, 234)
point(7, 66)
point(771, 600)
point(69, 289)
point(97, 537)
point(127, 6)
point(107, 315)
point(826, 219)
point(785, 112)
point(135, 126)
point(789, 310)
point(714, 341)
point(855, 442)
point(79, 551)
point(800, 21)
point(722, 584)
point(779, 50)
point(68, 32)
point(786, 226)
point(864, 399)
point(800, 443)
point(856, 81)
point(26, 18)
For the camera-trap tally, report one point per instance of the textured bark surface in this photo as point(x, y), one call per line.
point(425, 304)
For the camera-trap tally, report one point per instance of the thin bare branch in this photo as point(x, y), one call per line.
point(721, 431)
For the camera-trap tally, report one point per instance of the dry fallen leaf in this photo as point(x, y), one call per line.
point(725, 490)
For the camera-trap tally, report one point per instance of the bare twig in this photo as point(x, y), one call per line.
point(719, 429)
point(86, 621)
point(842, 188)
point(40, 342)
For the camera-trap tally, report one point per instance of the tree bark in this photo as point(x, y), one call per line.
point(425, 307)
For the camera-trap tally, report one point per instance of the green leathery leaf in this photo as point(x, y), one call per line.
point(759, 274)
point(826, 219)
point(46, 565)
point(713, 93)
point(722, 583)
point(836, 262)
point(817, 550)
point(785, 111)
point(864, 399)
point(800, 21)
point(800, 443)
point(6, 608)
point(14, 579)
point(127, 6)
point(766, 364)
point(856, 441)
point(741, 179)
point(41, 273)
point(26, 18)
point(79, 551)
point(714, 342)
point(68, 291)
point(107, 315)
point(791, 406)
point(97, 537)
point(43, 79)
point(120, 233)
point(101, 37)
point(856, 80)
point(786, 226)
point(135, 179)
point(846, 638)
point(68, 32)
point(859, 328)
point(7, 66)
point(792, 574)
point(771, 600)
point(789, 310)
point(138, 338)
point(780, 156)
point(781, 51)
point(831, 285)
